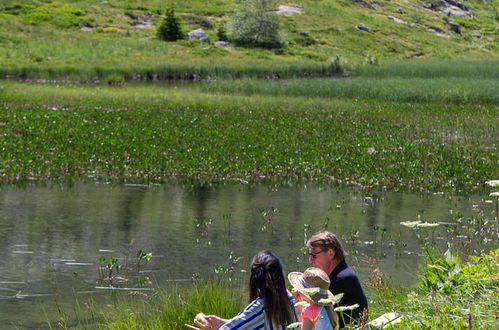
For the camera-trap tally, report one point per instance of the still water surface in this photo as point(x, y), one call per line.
point(52, 237)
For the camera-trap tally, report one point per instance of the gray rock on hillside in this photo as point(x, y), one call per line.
point(222, 44)
point(288, 10)
point(198, 34)
point(363, 27)
point(453, 11)
point(396, 20)
point(454, 27)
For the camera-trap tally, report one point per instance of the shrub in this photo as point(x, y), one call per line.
point(170, 28)
point(222, 33)
point(255, 25)
point(59, 14)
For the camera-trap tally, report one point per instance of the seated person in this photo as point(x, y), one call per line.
point(326, 252)
point(270, 305)
point(312, 287)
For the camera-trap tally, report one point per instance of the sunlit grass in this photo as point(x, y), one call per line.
point(164, 133)
point(436, 90)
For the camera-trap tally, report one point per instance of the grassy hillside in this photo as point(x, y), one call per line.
point(45, 38)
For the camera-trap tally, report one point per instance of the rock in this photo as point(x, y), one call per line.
point(428, 5)
point(367, 5)
point(363, 27)
point(222, 44)
point(304, 34)
point(454, 27)
point(439, 33)
point(396, 20)
point(288, 10)
point(453, 11)
point(400, 10)
point(458, 5)
point(86, 28)
point(143, 24)
point(198, 34)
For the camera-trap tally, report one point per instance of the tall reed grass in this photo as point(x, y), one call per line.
point(487, 69)
point(418, 90)
point(174, 305)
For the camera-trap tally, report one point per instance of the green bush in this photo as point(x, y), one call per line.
point(451, 293)
point(222, 33)
point(170, 28)
point(254, 25)
point(59, 14)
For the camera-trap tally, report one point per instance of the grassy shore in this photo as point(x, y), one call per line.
point(444, 299)
point(159, 133)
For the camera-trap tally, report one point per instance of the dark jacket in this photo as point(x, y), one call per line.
point(344, 280)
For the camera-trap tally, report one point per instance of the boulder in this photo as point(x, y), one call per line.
point(453, 11)
point(363, 27)
point(439, 33)
point(454, 27)
point(143, 24)
point(304, 34)
point(222, 44)
point(288, 10)
point(396, 20)
point(198, 34)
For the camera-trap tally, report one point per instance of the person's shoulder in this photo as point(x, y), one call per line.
point(347, 273)
point(254, 305)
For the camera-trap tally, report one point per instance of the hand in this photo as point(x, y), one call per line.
point(202, 321)
point(215, 321)
point(209, 322)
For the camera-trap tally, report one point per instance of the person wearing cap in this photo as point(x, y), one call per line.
point(326, 252)
point(312, 287)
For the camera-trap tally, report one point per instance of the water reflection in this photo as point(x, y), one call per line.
point(52, 237)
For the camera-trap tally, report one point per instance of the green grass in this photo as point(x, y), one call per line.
point(433, 69)
point(416, 90)
point(157, 134)
point(40, 39)
point(445, 303)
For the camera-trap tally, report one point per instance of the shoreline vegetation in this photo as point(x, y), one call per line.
point(444, 298)
point(422, 130)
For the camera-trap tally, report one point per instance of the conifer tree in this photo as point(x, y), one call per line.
point(170, 28)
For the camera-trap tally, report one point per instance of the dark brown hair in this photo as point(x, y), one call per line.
point(327, 240)
point(267, 282)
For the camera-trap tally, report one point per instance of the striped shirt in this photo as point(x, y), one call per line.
point(253, 317)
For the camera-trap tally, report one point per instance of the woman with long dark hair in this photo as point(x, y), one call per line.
point(270, 305)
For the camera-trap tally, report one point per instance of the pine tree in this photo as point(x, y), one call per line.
point(170, 28)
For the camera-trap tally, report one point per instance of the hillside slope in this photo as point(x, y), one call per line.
point(67, 36)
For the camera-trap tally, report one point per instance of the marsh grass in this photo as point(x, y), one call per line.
point(172, 306)
point(437, 90)
point(172, 70)
point(433, 69)
point(158, 134)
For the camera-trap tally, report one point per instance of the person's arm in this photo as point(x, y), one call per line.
point(307, 324)
point(253, 315)
point(309, 317)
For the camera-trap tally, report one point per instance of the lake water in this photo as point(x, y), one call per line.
point(52, 237)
